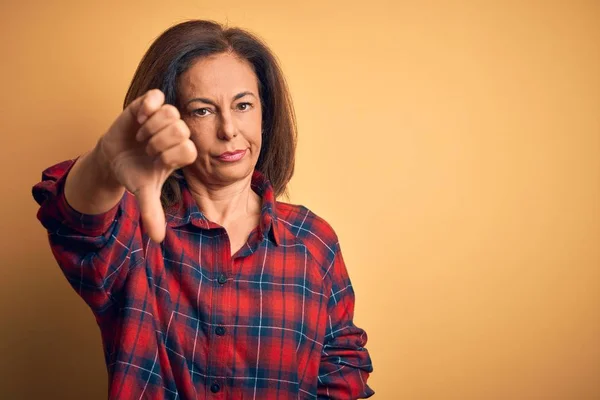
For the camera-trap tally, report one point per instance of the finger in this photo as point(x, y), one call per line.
point(128, 119)
point(147, 105)
point(178, 156)
point(168, 137)
point(164, 116)
point(152, 213)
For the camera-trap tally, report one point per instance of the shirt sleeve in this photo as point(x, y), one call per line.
point(94, 252)
point(345, 362)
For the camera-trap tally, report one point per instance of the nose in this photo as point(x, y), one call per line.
point(227, 129)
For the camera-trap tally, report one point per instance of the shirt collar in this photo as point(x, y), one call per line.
point(187, 211)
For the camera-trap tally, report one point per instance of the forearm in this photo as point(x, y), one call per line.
point(94, 251)
point(90, 187)
point(345, 365)
point(345, 362)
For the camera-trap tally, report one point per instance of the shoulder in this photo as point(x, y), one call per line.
point(300, 224)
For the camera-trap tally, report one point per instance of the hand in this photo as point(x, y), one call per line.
point(144, 145)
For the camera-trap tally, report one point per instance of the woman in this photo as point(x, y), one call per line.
point(202, 284)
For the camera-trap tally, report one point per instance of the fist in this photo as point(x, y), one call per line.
point(145, 145)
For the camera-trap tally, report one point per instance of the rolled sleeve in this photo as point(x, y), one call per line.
point(95, 252)
point(86, 224)
point(345, 362)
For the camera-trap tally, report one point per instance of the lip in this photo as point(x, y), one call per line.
point(232, 156)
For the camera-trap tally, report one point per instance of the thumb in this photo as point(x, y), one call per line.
point(153, 215)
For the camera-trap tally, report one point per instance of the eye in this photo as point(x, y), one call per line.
point(201, 112)
point(244, 106)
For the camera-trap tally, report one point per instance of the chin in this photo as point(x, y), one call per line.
point(230, 174)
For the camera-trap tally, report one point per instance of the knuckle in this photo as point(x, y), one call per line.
point(145, 104)
point(181, 129)
point(190, 151)
point(165, 159)
point(146, 107)
point(155, 93)
point(170, 111)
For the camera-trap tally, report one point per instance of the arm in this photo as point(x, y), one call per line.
point(93, 223)
point(90, 187)
point(345, 363)
point(95, 252)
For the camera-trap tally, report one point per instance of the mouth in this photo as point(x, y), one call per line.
point(232, 156)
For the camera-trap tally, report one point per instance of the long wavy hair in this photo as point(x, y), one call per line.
point(176, 49)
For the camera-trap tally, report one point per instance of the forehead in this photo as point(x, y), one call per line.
point(218, 75)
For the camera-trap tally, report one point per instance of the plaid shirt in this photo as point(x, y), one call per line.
point(186, 320)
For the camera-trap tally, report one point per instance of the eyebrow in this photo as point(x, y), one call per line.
point(209, 101)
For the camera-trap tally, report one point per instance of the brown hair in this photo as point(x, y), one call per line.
point(174, 51)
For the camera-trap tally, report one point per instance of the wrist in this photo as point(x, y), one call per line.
point(103, 167)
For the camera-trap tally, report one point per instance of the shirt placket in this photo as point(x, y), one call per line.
point(221, 331)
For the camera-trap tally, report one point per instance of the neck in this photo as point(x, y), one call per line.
point(224, 204)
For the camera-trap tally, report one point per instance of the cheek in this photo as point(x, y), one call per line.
point(202, 147)
point(257, 136)
point(201, 138)
point(256, 141)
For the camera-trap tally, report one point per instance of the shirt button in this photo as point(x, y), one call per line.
point(220, 331)
point(222, 279)
point(215, 388)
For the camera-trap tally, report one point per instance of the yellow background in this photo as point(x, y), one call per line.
point(453, 145)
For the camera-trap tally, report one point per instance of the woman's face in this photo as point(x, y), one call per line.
point(219, 101)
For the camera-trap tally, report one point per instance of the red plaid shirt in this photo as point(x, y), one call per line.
point(186, 320)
